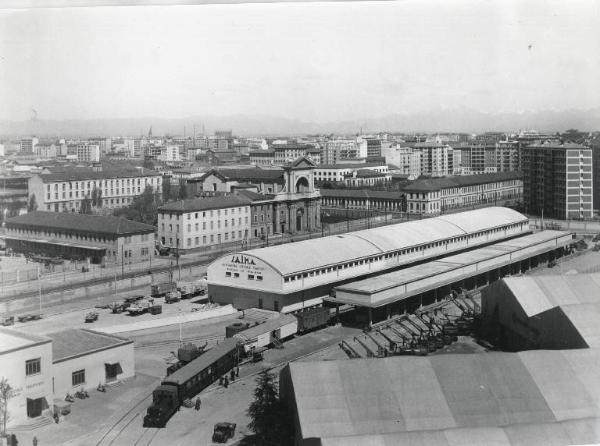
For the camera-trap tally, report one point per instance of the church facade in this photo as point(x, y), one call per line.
point(284, 200)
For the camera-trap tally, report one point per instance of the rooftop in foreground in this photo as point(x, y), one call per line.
point(76, 342)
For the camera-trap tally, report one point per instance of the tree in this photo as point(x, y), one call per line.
point(144, 208)
point(86, 206)
point(182, 193)
point(6, 393)
point(31, 205)
point(148, 164)
point(270, 418)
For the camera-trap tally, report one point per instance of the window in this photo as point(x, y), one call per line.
point(144, 251)
point(258, 277)
point(227, 274)
point(33, 366)
point(250, 276)
point(78, 377)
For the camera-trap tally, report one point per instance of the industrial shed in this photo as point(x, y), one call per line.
point(446, 399)
point(279, 276)
point(549, 312)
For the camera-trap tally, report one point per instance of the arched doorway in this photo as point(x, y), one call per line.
point(302, 185)
point(299, 214)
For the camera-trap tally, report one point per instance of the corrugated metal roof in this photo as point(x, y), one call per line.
point(266, 327)
point(69, 221)
point(332, 250)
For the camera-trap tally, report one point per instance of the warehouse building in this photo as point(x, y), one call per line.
point(288, 277)
point(534, 397)
point(73, 236)
point(42, 369)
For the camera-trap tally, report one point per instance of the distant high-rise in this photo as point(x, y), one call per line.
point(557, 180)
point(27, 145)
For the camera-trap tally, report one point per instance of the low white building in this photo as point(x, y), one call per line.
point(42, 369)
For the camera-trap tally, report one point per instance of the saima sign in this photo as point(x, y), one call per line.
point(242, 259)
point(241, 262)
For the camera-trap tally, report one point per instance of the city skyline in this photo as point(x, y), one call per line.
point(312, 62)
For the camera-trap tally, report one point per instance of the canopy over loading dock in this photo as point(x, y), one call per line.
point(480, 265)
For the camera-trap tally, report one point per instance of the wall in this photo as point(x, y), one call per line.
point(93, 364)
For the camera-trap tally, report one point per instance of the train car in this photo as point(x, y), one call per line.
point(312, 319)
point(189, 380)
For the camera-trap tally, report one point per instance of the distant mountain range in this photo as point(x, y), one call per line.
point(441, 120)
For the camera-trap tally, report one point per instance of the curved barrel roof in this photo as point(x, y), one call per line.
point(310, 254)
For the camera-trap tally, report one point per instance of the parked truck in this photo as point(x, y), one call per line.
point(172, 297)
point(160, 289)
point(192, 289)
point(139, 307)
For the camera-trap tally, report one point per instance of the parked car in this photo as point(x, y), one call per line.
point(92, 316)
point(29, 317)
point(223, 432)
point(172, 297)
point(7, 320)
point(156, 309)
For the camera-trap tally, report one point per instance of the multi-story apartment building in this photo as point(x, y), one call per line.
point(557, 180)
point(475, 158)
point(262, 158)
point(169, 153)
point(340, 173)
point(88, 153)
point(595, 146)
point(436, 195)
point(341, 150)
point(508, 156)
point(27, 145)
point(436, 158)
point(406, 159)
point(204, 222)
point(101, 239)
point(373, 147)
point(64, 191)
point(289, 152)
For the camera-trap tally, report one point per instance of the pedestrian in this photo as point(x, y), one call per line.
point(232, 375)
point(225, 382)
point(35, 441)
point(198, 403)
point(56, 417)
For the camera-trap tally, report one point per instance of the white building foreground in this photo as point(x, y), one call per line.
point(42, 369)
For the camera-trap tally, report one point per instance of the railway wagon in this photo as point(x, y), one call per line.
point(190, 380)
point(312, 319)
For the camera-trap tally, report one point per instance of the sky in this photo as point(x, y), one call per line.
point(317, 62)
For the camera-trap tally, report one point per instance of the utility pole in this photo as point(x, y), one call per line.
point(40, 289)
point(122, 261)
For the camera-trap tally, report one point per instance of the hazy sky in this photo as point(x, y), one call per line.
point(311, 61)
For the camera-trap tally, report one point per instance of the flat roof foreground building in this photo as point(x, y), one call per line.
point(302, 273)
point(535, 397)
point(42, 369)
point(74, 236)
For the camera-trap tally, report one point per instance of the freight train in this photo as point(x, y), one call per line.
point(189, 380)
point(193, 377)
